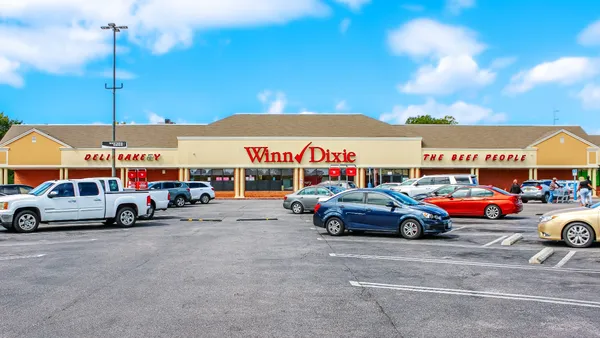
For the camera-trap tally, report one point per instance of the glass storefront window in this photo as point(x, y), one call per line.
point(269, 179)
point(381, 175)
point(315, 176)
point(220, 179)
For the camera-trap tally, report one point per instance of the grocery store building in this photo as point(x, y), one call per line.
point(257, 155)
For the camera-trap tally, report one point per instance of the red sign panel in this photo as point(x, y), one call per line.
point(334, 172)
point(315, 154)
point(351, 171)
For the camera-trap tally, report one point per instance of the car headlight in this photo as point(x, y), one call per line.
point(545, 219)
point(431, 216)
point(3, 205)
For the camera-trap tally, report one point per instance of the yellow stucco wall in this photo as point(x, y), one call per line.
point(43, 151)
point(77, 158)
point(478, 158)
point(231, 153)
point(569, 152)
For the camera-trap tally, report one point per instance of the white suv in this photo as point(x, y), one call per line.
point(201, 191)
point(426, 184)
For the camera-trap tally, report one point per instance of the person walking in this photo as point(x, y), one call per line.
point(585, 192)
point(515, 188)
point(553, 187)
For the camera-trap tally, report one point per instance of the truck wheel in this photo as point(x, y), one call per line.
point(126, 217)
point(26, 221)
point(179, 201)
point(152, 210)
point(204, 199)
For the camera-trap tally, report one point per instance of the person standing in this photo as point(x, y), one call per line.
point(553, 187)
point(515, 188)
point(584, 192)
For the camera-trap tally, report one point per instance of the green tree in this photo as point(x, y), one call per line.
point(428, 119)
point(5, 124)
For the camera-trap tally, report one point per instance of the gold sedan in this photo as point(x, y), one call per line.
point(577, 227)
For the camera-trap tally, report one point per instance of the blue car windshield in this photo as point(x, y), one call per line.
point(400, 197)
point(41, 189)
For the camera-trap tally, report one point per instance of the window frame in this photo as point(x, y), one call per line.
point(341, 198)
point(82, 184)
point(66, 183)
point(482, 196)
point(389, 199)
point(468, 190)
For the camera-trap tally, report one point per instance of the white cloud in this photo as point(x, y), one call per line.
point(121, 74)
point(275, 102)
point(456, 6)
point(590, 96)
point(503, 62)
point(63, 36)
point(354, 5)
point(452, 74)
point(590, 36)
point(564, 71)
point(464, 113)
point(342, 105)
point(154, 118)
point(413, 7)
point(452, 49)
point(344, 25)
point(9, 73)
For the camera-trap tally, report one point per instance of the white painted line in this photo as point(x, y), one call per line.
point(319, 239)
point(541, 256)
point(565, 259)
point(8, 258)
point(45, 242)
point(313, 228)
point(456, 229)
point(494, 241)
point(512, 239)
point(482, 294)
point(461, 262)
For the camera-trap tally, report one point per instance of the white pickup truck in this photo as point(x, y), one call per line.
point(159, 198)
point(72, 200)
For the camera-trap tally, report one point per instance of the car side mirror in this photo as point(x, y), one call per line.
point(449, 197)
point(435, 193)
point(53, 194)
point(392, 205)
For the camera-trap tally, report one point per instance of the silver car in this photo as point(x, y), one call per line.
point(305, 199)
point(539, 190)
point(396, 185)
point(343, 184)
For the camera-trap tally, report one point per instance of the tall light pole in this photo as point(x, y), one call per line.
point(554, 118)
point(114, 88)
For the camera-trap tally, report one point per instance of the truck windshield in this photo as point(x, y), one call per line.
point(41, 189)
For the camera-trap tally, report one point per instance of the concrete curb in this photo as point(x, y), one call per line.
point(200, 220)
point(512, 239)
point(541, 256)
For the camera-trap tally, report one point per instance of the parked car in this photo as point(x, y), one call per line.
point(487, 201)
point(382, 211)
point(179, 191)
point(577, 227)
point(71, 200)
point(15, 189)
point(343, 184)
point(201, 191)
point(427, 184)
point(305, 199)
point(441, 191)
point(334, 189)
point(539, 190)
point(396, 185)
point(159, 198)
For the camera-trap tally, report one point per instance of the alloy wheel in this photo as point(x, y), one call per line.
point(492, 212)
point(297, 208)
point(578, 235)
point(410, 229)
point(27, 222)
point(127, 217)
point(334, 226)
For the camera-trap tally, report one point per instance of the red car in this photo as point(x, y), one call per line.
point(487, 201)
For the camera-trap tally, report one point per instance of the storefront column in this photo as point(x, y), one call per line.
point(60, 173)
point(530, 173)
point(300, 178)
point(186, 174)
point(296, 178)
point(180, 175)
point(411, 173)
point(242, 182)
point(122, 175)
point(535, 173)
point(2, 176)
point(236, 182)
point(66, 174)
point(476, 173)
point(417, 172)
point(361, 177)
point(126, 178)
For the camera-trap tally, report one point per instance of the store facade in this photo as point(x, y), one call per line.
point(259, 156)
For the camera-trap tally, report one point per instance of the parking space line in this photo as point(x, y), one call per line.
point(8, 258)
point(456, 229)
point(461, 262)
point(45, 242)
point(408, 242)
point(494, 241)
point(565, 259)
point(481, 294)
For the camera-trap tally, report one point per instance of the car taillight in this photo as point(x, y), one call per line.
point(317, 207)
point(148, 200)
point(285, 198)
point(539, 187)
point(169, 196)
point(211, 188)
point(188, 189)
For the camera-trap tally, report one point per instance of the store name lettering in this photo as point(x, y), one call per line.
point(317, 155)
point(123, 157)
point(473, 157)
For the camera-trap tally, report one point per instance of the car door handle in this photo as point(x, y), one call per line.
point(72, 201)
point(97, 200)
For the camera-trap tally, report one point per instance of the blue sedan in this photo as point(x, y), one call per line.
point(382, 211)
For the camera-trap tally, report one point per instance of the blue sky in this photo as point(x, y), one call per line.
point(485, 62)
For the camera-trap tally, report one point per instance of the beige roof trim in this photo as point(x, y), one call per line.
point(34, 130)
point(558, 132)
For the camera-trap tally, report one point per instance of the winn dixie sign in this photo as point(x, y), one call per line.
point(314, 154)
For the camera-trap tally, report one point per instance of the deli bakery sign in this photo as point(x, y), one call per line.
point(474, 157)
point(123, 157)
point(313, 153)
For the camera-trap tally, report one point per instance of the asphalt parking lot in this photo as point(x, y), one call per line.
point(230, 274)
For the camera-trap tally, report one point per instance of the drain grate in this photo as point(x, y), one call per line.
point(256, 219)
point(200, 220)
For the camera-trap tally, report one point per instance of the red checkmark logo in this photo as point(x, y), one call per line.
point(299, 156)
